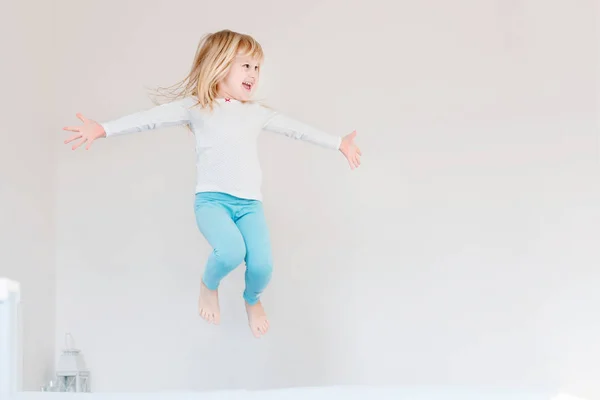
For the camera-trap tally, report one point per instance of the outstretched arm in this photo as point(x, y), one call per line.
point(294, 129)
point(170, 114)
point(282, 124)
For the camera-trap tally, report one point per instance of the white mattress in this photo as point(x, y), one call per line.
point(318, 393)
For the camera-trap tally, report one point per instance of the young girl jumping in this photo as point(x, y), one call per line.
point(215, 102)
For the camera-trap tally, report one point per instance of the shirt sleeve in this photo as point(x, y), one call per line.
point(282, 124)
point(175, 113)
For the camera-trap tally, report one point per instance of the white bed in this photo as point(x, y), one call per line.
point(10, 378)
point(318, 393)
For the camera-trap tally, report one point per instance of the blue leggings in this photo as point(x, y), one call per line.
point(237, 231)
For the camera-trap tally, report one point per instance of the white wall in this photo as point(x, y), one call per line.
point(26, 175)
point(463, 251)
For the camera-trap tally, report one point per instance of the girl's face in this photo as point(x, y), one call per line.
point(241, 80)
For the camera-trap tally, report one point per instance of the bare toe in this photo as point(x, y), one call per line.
point(257, 319)
point(208, 305)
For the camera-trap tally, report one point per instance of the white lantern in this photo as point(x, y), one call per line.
point(72, 374)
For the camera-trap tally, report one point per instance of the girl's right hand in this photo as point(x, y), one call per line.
point(88, 132)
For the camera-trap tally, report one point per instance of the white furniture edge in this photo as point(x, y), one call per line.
point(10, 338)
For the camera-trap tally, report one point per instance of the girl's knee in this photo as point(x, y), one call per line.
point(231, 256)
point(261, 267)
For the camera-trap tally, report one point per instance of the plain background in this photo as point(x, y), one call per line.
point(27, 171)
point(463, 251)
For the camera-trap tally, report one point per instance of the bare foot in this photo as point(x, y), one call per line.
point(257, 319)
point(208, 305)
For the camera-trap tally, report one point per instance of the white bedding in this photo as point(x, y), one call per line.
point(318, 393)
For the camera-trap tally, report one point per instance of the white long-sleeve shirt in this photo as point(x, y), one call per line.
point(226, 139)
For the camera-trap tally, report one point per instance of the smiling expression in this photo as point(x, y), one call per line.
point(241, 79)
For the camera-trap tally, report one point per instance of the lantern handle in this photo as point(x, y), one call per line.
point(69, 341)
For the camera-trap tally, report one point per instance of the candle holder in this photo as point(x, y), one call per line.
point(71, 373)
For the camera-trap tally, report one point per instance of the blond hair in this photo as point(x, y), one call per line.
point(214, 55)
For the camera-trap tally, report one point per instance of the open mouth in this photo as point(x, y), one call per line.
point(247, 86)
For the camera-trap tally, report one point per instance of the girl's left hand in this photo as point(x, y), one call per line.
point(350, 150)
